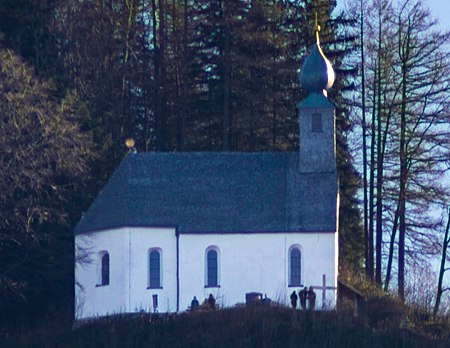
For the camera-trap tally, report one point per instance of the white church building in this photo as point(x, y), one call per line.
point(171, 226)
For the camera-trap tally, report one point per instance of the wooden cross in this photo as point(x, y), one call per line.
point(324, 289)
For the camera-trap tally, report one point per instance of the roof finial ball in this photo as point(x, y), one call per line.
point(129, 143)
point(316, 74)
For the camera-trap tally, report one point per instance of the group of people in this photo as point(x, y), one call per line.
point(210, 303)
point(307, 298)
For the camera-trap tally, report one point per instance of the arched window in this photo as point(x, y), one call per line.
point(104, 268)
point(295, 267)
point(154, 266)
point(212, 268)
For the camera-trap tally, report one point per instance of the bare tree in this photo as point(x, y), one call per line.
point(408, 93)
point(44, 160)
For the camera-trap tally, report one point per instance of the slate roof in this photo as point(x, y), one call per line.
point(215, 192)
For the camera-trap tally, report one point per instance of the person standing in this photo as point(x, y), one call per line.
point(303, 294)
point(311, 298)
point(194, 304)
point(294, 298)
point(211, 301)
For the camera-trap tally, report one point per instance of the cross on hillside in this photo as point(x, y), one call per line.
point(324, 289)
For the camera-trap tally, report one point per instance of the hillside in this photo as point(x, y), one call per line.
point(255, 326)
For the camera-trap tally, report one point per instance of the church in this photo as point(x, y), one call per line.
point(171, 226)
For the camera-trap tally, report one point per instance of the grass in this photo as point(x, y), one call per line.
point(253, 326)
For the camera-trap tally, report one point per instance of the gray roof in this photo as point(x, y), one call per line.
point(215, 192)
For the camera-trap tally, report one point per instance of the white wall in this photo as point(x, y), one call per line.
point(256, 262)
point(90, 299)
point(127, 291)
point(143, 239)
point(247, 262)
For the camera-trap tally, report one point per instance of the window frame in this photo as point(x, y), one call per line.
point(149, 269)
point(103, 279)
point(292, 249)
point(217, 268)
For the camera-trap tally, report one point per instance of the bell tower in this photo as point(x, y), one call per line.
point(317, 139)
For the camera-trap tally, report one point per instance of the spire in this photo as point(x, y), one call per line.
point(316, 74)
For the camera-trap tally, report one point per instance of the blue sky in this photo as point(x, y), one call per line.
point(441, 10)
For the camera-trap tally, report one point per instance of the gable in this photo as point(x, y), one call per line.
point(215, 192)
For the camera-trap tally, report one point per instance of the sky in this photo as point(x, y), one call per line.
point(441, 10)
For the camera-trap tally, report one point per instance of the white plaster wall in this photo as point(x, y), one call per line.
point(256, 262)
point(90, 299)
point(143, 239)
point(247, 262)
point(128, 288)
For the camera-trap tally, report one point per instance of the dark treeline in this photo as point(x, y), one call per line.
point(174, 75)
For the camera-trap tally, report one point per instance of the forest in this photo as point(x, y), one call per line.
point(79, 77)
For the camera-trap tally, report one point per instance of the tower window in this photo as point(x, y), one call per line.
point(316, 123)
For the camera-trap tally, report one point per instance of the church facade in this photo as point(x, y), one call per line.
point(171, 226)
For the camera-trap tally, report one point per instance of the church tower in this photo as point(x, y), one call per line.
point(317, 143)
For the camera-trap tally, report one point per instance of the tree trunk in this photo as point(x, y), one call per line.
point(369, 270)
point(391, 248)
point(162, 77)
point(226, 78)
point(182, 120)
point(274, 114)
point(364, 142)
point(156, 87)
point(379, 210)
point(442, 267)
point(404, 53)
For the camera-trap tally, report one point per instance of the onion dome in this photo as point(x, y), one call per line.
point(316, 74)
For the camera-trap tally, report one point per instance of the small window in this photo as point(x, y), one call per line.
point(212, 268)
point(154, 269)
point(316, 123)
point(104, 269)
point(295, 267)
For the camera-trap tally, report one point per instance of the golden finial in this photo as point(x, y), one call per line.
point(317, 26)
point(129, 143)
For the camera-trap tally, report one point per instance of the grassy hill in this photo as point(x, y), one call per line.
point(253, 326)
